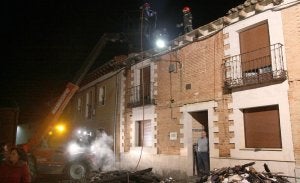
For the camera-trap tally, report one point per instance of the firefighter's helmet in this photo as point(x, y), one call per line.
point(146, 5)
point(186, 9)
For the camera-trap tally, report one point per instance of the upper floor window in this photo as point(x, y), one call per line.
point(259, 62)
point(89, 105)
point(79, 104)
point(145, 90)
point(262, 127)
point(101, 95)
point(255, 50)
point(142, 91)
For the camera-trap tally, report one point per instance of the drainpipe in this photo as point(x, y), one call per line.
point(115, 113)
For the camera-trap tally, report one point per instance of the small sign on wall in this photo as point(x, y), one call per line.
point(173, 135)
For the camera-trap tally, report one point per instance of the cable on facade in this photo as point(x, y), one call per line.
point(142, 84)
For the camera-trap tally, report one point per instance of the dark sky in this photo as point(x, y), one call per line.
point(45, 41)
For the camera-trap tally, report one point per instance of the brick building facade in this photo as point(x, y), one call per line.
point(291, 29)
point(231, 78)
point(236, 78)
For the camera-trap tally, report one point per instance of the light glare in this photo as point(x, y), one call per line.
point(60, 128)
point(74, 148)
point(160, 43)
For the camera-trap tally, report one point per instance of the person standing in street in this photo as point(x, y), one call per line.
point(4, 154)
point(15, 169)
point(202, 152)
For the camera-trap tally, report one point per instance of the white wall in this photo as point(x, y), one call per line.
point(264, 96)
point(275, 30)
point(277, 94)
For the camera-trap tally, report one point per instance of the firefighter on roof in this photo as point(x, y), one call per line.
point(187, 19)
point(149, 20)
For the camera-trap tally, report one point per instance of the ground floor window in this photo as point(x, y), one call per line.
point(262, 127)
point(143, 133)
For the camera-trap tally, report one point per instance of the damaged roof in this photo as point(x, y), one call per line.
point(235, 14)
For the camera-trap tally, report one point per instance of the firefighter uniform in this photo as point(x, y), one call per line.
point(187, 19)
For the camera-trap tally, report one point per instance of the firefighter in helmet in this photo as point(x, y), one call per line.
point(187, 19)
point(149, 20)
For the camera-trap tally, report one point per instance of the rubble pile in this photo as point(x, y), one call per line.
point(237, 174)
point(120, 176)
point(244, 174)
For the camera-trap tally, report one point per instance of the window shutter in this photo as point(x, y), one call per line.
point(262, 127)
point(145, 80)
point(147, 134)
point(144, 133)
point(254, 45)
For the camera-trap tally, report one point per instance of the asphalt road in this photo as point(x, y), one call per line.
point(55, 178)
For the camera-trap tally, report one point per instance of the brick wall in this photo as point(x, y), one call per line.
point(190, 75)
point(223, 124)
point(291, 26)
point(197, 77)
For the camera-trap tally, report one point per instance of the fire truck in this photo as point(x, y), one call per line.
point(77, 161)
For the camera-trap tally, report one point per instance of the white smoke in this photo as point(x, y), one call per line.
point(104, 155)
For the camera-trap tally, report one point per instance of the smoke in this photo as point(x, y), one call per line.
point(104, 156)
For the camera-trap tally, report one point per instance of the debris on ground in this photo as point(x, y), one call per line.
point(244, 174)
point(119, 176)
point(239, 173)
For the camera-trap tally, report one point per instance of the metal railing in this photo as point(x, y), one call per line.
point(256, 67)
point(140, 95)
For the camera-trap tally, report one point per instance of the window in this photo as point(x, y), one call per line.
point(101, 95)
point(143, 133)
point(79, 104)
point(255, 52)
point(262, 127)
point(145, 87)
point(142, 91)
point(89, 108)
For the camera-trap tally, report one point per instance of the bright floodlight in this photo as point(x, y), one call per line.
point(160, 43)
point(60, 128)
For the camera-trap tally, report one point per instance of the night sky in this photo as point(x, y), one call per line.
point(45, 41)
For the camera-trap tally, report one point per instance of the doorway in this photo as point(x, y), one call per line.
point(199, 124)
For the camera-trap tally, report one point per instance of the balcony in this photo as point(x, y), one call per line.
point(140, 95)
point(258, 67)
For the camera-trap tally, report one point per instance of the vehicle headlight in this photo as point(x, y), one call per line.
point(74, 148)
point(93, 149)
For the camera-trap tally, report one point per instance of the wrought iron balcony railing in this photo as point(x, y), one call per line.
point(140, 95)
point(260, 66)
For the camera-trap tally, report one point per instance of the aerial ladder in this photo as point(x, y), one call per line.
point(33, 145)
